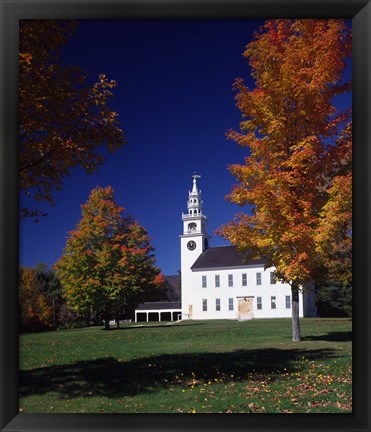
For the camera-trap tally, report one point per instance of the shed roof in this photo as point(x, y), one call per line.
point(224, 256)
point(159, 305)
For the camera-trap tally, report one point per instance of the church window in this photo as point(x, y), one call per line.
point(258, 278)
point(244, 279)
point(230, 280)
point(204, 282)
point(273, 302)
point(217, 281)
point(217, 304)
point(230, 304)
point(288, 302)
point(259, 304)
point(192, 226)
point(204, 305)
point(273, 278)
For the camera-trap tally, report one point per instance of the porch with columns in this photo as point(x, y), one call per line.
point(158, 311)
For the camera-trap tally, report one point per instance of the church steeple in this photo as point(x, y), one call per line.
point(194, 203)
point(193, 242)
point(194, 222)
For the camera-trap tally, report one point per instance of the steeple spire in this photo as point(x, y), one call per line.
point(194, 203)
point(195, 190)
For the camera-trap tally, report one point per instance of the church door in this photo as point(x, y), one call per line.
point(245, 308)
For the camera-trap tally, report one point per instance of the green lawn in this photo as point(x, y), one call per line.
point(195, 366)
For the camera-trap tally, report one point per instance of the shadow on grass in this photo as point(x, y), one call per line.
point(109, 377)
point(331, 337)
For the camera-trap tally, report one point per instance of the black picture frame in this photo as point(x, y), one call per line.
point(13, 10)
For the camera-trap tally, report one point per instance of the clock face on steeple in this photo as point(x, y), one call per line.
point(191, 245)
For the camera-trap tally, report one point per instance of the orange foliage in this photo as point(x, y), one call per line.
point(35, 311)
point(63, 121)
point(108, 262)
point(297, 175)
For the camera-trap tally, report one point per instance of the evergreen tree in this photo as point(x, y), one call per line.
point(334, 299)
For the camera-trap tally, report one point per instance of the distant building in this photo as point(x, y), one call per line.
point(168, 309)
point(158, 311)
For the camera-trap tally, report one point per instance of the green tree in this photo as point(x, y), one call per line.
point(63, 120)
point(296, 140)
point(50, 287)
point(66, 316)
point(334, 299)
point(108, 263)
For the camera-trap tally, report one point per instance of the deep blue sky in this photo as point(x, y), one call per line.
point(175, 103)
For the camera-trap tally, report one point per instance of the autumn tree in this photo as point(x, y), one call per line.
point(297, 171)
point(28, 290)
point(108, 262)
point(35, 307)
point(63, 120)
point(334, 233)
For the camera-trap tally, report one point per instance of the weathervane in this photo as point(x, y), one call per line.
point(196, 176)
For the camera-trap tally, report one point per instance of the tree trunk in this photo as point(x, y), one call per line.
point(106, 318)
point(295, 312)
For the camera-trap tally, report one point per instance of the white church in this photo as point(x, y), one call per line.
point(219, 283)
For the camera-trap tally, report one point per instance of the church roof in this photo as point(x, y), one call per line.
point(224, 256)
